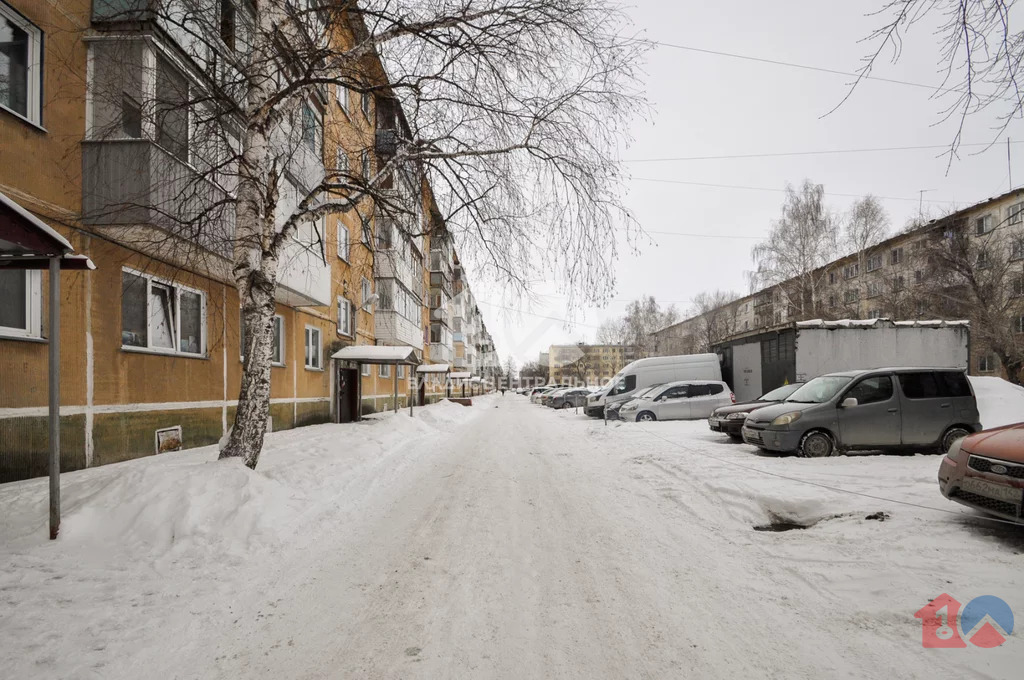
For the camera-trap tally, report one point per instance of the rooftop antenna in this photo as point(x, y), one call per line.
point(1009, 167)
point(920, 203)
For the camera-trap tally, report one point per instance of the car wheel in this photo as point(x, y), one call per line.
point(736, 437)
point(646, 417)
point(816, 445)
point(566, 405)
point(950, 437)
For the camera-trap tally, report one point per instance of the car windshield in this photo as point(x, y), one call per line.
point(780, 393)
point(819, 390)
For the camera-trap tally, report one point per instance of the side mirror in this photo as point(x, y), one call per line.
point(848, 402)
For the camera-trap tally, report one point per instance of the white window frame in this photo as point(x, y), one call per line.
point(364, 104)
point(318, 363)
point(342, 162)
point(341, 94)
point(34, 74)
point(33, 308)
point(365, 164)
point(874, 262)
point(365, 371)
point(1015, 213)
point(276, 353)
point(348, 328)
point(365, 292)
point(986, 363)
point(384, 370)
point(177, 288)
point(986, 224)
point(1020, 324)
point(401, 371)
point(344, 237)
point(896, 256)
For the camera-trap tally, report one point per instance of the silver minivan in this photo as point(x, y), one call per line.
point(885, 408)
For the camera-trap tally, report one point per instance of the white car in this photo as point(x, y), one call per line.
point(680, 400)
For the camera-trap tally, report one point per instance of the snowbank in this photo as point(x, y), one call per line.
point(999, 402)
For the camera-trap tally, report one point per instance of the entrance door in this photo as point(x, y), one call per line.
point(348, 394)
point(421, 398)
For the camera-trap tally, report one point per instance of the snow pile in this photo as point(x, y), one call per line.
point(999, 402)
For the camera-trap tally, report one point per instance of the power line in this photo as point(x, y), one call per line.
point(804, 67)
point(691, 235)
point(808, 153)
point(777, 190)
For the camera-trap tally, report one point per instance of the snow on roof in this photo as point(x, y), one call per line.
point(460, 375)
point(376, 354)
point(433, 368)
point(878, 323)
point(36, 222)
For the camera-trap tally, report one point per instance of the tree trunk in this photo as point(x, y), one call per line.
point(250, 426)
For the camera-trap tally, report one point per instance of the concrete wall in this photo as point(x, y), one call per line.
point(824, 351)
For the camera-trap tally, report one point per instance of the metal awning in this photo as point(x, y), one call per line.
point(22, 233)
point(460, 375)
point(376, 354)
point(73, 262)
point(433, 368)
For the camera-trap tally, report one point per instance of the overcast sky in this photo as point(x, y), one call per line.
point(711, 105)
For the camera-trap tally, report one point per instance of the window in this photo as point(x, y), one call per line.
point(1017, 248)
point(898, 282)
point(365, 164)
point(277, 344)
point(832, 278)
point(365, 370)
point(983, 225)
point(987, 363)
point(1019, 325)
point(364, 104)
point(384, 235)
point(312, 132)
point(20, 303)
point(342, 94)
point(346, 317)
point(343, 241)
point(401, 371)
point(852, 295)
point(172, 98)
point(131, 117)
point(680, 392)
point(851, 270)
point(367, 232)
point(983, 261)
point(228, 23)
point(313, 348)
point(1017, 286)
point(365, 292)
point(874, 262)
point(1014, 213)
point(384, 370)
point(875, 313)
point(626, 384)
point(918, 277)
point(343, 163)
point(160, 316)
point(874, 289)
point(21, 46)
point(871, 390)
point(896, 256)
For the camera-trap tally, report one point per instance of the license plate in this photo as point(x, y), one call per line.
point(999, 492)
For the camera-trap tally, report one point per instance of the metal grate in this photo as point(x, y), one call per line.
point(985, 502)
point(1014, 470)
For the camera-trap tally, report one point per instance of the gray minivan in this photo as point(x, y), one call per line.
point(885, 408)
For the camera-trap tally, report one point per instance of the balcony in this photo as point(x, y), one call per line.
point(460, 362)
point(440, 353)
point(442, 280)
point(393, 329)
point(134, 184)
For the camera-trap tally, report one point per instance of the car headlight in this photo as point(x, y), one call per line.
point(954, 450)
point(787, 418)
point(628, 407)
point(736, 416)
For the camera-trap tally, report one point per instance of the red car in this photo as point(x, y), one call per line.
point(986, 471)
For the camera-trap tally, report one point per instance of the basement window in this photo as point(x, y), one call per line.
point(20, 303)
point(162, 317)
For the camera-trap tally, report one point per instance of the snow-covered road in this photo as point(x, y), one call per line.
point(501, 541)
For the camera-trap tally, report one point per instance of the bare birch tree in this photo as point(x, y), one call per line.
point(515, 111)
point(715, 317)
point(800, 243)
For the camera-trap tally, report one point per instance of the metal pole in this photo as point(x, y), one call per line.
point(412, 390)
point(395, 376)
point(54, 388)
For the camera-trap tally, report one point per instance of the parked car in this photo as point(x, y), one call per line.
point(545, 399)
point(571, 398)
point(611, 411)
point(887, 408)
point(680, 400)
point(729, 419)
point(651, 371)
point(986, 471)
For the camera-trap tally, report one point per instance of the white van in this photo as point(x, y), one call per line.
point(653, 371)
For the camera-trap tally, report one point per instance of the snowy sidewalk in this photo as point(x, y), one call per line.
point(503, 540)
